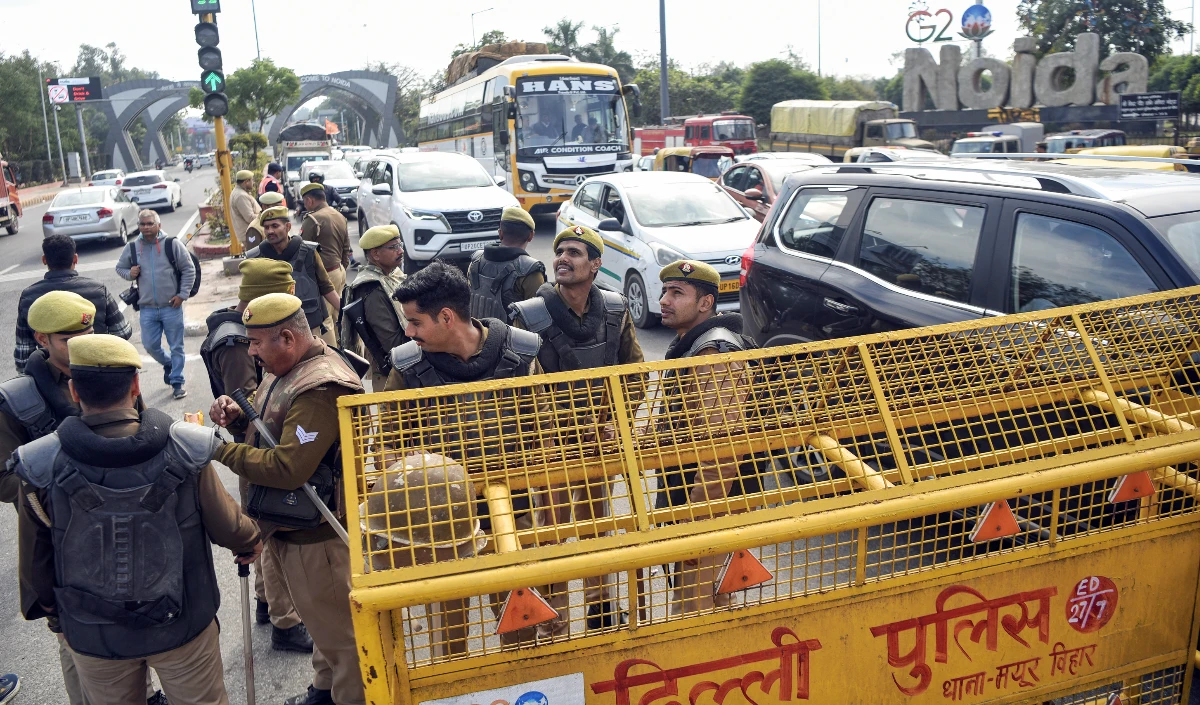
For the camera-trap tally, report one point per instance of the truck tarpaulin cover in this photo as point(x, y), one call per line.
point(464, 64)
point(823, 117)
point(303, 132)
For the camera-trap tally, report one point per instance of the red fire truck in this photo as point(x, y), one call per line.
point(726, 129)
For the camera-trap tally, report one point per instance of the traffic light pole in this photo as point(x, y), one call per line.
point(224, 164)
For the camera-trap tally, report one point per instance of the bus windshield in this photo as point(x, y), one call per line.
point(570, 115)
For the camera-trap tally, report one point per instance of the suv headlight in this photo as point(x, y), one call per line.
point(426, 217)
point(665, 255)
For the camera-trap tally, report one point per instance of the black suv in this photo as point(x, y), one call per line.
point(857, 249)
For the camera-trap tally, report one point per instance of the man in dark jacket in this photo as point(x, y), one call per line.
point(58, 254)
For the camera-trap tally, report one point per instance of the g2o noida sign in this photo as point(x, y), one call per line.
point(952, 84)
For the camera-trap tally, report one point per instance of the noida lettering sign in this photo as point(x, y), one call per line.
point(954, 85)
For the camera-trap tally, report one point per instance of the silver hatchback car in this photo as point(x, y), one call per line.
point(95, 213)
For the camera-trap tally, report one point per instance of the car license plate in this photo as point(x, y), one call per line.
point(74, 219)
point(729, 285)
point(468, 246)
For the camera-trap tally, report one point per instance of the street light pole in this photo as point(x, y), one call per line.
point(87, 163)
point(664, 94)
point(46, 120)
point(254, 14)
point(818, 38)
point(480, 12)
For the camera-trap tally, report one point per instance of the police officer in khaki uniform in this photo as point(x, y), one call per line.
point(447, 346)
point(226, 355)
point(707, 396)
point(254, 231)
point(150, 602)
point(324, 225)
point(312, 281)
point(242, 206)
point(43, 399)
point(582, 327)
point(501, 275)
point(304, 378)
point(372, 317)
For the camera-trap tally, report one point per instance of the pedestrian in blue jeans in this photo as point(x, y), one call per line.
point(162, 288)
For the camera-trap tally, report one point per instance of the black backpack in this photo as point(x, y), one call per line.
point(170, 250)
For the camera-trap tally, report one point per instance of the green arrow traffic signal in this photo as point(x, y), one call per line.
point(213, 81)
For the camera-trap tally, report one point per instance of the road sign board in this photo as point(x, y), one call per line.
point(1163, 105)
point(213, 81)
point(58, 94)
point(78, 89)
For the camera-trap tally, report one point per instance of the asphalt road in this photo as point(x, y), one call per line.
point(28, 648)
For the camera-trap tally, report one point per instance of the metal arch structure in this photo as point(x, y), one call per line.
point(126, 102)
point(158, 113)
point(372, 91)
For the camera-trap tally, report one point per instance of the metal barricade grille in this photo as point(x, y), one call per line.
point(450, 480)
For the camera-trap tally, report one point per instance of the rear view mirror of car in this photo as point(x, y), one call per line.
point(382, 189)
point(611, 225)
point(500, 181)
point(754, 194)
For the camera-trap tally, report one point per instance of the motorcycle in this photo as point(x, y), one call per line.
point(188, 166)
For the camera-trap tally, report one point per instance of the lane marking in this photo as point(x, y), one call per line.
point(187, 225)
point(39, 273)
point(190, 357)
point(9, 268)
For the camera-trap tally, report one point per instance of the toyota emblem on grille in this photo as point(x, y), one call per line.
point(733, 260)
point(475, 216)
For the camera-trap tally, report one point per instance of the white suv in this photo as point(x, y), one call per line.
point(445, 204)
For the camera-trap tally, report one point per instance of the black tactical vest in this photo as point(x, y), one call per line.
point(600, 350)
point(494, 284)
point(133, 567)
point(304, 260)
point(225, 328)
point(34, 400)
point(461, 438)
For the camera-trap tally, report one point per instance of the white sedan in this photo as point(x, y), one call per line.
point(651, 219)
point(152, 189)
point(108, 177)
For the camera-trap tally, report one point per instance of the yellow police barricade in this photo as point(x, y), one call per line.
point(1000, 510)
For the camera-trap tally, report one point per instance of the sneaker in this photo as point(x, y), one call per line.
point(312, 697)
point(604, 616)
point(159, 698)
point(294, 639)
point(166, 375)
point(261, 613)
point(10, 683)
point(180, 393)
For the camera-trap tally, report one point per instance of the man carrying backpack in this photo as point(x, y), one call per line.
point(163, 273)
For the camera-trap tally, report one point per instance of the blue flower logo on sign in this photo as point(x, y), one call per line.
point(533, 697)
point(976, 23)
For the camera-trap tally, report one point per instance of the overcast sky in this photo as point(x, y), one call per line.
point(858, 37)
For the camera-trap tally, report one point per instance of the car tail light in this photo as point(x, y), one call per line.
point(104, 213)
point(91, 183)
point(160, 186)
point(747, 262)
point(119, 181)
point(48, 219)
point(126, 190)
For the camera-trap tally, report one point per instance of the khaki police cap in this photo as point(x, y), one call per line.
point(103, 351)
point(276, 213)
point(378, 235)
point(262, 276)
point(271, 198)
point(310, 187)
point(689, 270)
point(581, 233)
point(270, 310)
point(517, 214)
point(61, 312)
point(243, 175)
